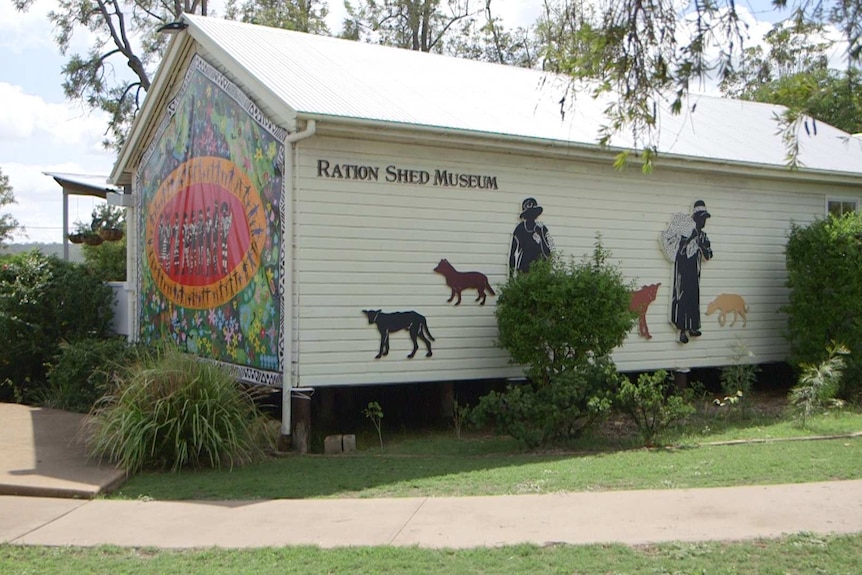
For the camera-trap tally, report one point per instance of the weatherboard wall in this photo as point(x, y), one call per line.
point(362, 242)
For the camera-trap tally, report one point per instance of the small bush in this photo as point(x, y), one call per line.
point(738, 378)
point(84, 371)
point(651, 404)
point(172, 411)
point(563, 410)
point(562, 315)
point(818, 385)
point(560, 320)
point(44, 301)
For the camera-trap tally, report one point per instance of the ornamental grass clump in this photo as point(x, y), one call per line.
point(172, 411)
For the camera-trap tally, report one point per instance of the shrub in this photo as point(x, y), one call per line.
point(818, 384)
point(44, 301)
point(173, 411)
point(84, 371)
point(562, 315)
point(560, 321)
point(107, 260)
point(651, 404)
point(738, 378)
point(824, 274)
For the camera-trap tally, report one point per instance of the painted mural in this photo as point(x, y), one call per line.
point(687, 245)
point(210, 208)
point(640, 300)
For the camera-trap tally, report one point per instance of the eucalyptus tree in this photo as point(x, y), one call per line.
point(115, 73)
point(8, 223)
point(421, 25)
point(793, 69)
point(300, 15)
point(645, 55)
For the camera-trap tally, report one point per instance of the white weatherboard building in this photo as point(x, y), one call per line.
point(367, 165)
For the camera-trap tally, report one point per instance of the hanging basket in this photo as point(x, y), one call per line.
point(76, 238)
point(93, 240)
point(111, 234)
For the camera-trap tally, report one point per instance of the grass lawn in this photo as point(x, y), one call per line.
point(802, 553)
point(438, 464)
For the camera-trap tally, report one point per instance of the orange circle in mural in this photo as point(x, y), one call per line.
point(204, 233)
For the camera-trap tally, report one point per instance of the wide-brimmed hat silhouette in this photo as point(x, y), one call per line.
point(530, 209)
point(700, 210)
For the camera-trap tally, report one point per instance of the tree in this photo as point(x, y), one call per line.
point(300, 15)
point(125, 32)
point(646, 55)
point(794, 72)
point(422, 25)
point(8, 223)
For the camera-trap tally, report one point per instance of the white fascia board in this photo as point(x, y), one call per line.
point(388, 131)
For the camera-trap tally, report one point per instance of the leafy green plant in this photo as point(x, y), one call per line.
point(375, 413)
point(738, 378)
point(818, 384)
point(653, 407)
point(460, 415)
point(43, 302)
point(563, 314)
point(824, 264)
point(560, 321)
point(84, 371)
point(172, 411)
point(537, 415)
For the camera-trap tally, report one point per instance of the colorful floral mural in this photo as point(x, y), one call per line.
point(210, 217)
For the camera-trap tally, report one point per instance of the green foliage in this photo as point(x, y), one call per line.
point(738, 378)
point(172, 411)
point(8, 224)
point(84, 371)
point(562, 315)
point(561, 321)
point(460, 416)
point(824, 274)
point(107, 260)
point(652, 405)
point(818, 384)
point(375, 413)
point(536, 415)
point(43, 302)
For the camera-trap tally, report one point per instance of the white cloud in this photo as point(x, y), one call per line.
point(21, 32)
point(25, 117)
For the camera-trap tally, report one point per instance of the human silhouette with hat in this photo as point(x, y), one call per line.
point(687, 245)
point(530, 240)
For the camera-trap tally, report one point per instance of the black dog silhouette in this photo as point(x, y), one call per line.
point(390, 322)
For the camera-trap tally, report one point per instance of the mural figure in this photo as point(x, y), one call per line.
point(459, 281)
point(687, 245)
point(640, 302)
point(388, 322)
point(531, 239)
point(725, 303)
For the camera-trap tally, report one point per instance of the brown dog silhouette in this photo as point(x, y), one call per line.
point(459, 281)
point(640, 302)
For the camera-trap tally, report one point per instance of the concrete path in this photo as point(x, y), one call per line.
point(631, 517)
point(45, 478)
point(40, 455)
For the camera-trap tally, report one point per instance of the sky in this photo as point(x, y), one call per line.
point(42, 132)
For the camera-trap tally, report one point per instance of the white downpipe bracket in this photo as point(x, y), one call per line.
point(309, 131)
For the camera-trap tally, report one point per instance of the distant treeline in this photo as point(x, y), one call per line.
point(55, 249)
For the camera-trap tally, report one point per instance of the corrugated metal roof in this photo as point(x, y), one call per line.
point(322, 76)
